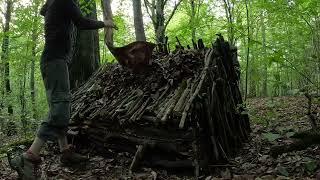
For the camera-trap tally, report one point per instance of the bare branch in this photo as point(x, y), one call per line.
point(153, 9)
point(172, 13)
point(149, 7)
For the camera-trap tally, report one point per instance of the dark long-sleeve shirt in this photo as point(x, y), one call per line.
point(59, 15)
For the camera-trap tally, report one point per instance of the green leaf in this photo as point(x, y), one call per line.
point(271, 136)
point(289, 134)
point(283, 171)
point(310, 166)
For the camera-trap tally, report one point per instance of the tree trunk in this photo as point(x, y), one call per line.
point(5, 53)
point(265, 63)
point(155, 9)
point(86, 58)
point(248, 49)
point(159, 25)
point(2, 95)
point(316, 48)
point(23, 99)
point(138, 20)
point(229, 8)
point(291, 55)
point(253, 68)
point(34, 36)
point(192, 20)
point(32, 81)
point(107, 15)
point(252, 74)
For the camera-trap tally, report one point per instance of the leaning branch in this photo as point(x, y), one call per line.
point(172, 13)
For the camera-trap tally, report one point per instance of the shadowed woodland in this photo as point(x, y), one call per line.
point(230, 89)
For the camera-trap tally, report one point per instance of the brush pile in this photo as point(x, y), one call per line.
point(184, 111)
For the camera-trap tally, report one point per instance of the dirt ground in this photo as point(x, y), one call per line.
point(273, 123)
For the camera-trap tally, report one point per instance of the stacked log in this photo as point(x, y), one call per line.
point(185, 110)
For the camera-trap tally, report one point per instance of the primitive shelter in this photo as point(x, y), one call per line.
point(184, 111)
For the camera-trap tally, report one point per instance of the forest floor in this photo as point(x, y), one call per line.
point(272, 122)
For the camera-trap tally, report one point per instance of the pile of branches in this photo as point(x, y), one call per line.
point(184, 111)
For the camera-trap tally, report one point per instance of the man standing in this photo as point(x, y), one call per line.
point(59, 16)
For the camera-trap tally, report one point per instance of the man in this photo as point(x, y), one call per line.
point(59, 16)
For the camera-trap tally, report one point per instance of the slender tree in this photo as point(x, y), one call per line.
point(5, 52)
point(194, 16)
point(108, 16)
point(23, 100)
point(34, 38)
point(248, 49)
point(138, 20)
point(316, 46)
point(192, 19)
point(253, 71)
point(229, 10)
point(264, 52)
point(155, 9)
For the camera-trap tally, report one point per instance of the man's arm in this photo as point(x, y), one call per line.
point(80, 21)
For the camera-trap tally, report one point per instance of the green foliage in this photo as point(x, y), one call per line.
point(310, 165)
point(24, 21)
point(86, 6)
point(271, 137)
point(124, 35)
point(205, 25)
point(283, 171)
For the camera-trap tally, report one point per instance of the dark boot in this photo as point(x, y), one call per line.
point(27, 166)
point(70, 157)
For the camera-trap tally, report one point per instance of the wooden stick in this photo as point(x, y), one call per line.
point(149, 118)
point(182, 99)
point(135, 105)
point(164, 107)
point(208, 58)
point(166, 45)
point(137, 158)
point(194, 85)
point(140, 111)
point(195, 46)
point(115, 111)
point(180, 46)
point(155, 104)
point(200, 44)
point(172, 103)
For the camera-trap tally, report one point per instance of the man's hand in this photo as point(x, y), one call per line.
point(110, 24)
